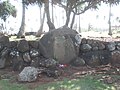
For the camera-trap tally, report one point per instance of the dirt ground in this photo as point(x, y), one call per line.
point(69, 72)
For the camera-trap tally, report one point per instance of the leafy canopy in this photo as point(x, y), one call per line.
point(7, 9)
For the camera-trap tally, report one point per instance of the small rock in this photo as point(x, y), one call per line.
point(4, 40)
point(101, 46)
point(2, 62)
point(1, 46)
point(118, 46)
point(13, 53)
point(23, 46)
point(28, 74)
point(115, 57)
point(26, 57)
point(78, 62)
point(83, 41)
point(85, 47)
point(111, 46)
point(34, 53)
point(34, 44)
point(52, 72)
point(95, 48)
point(35, 62)
point(48, 62)
point(13, 44)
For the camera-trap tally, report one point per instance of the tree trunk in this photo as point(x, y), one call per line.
point(38, 34)
point(79, 25)
point(21, 32)
point(110, 31)
point(50, 24)
point(67, 17)
point(52, 13)
point(73, 20)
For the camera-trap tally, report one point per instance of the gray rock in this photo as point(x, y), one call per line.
point(13, 44)
point(85, 47)
point(84, 41)
point(48, 62)
point(34, 44)
point(118, 46)
point(23, 46)
point(101, 46)
point(4, 40)
point(78, 62)
point(115, 58)
point(52, 72)
point(17, 63)
point(111, 46)
point(26, 57)
point(5, 52)
point(28, 74)
point(4, 55)
point(60, 44)
point(14, 53)
point(1, 46)
point(34, 53)
point(96, 58)
point(95, 48)
point(35, 62)
point(2, 62)
point(90, 41)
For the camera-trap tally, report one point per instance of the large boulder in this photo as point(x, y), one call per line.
point(61, 44)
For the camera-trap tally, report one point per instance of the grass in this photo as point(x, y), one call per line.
point(6, 85)
point(85, 83)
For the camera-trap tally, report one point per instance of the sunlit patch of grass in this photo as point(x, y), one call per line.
point(85, 83)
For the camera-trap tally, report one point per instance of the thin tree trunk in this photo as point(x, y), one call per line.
point(50, 24)
point(67, 18)
point(73, 20)
point(40, 13)
point(79, 25)
point(38, 34)
point(110, 31)
point(52, 13)
point(21, 32)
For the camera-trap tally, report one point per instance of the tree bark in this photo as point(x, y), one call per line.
point(73, 20)
point(110, 31)
point(38, 34)
point(67, 17)
point(52, 13)
point(21, 32)
point(79, 25)
point(50, 24)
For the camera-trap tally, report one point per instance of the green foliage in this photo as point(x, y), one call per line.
point(7, 9)
point(27, 2)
